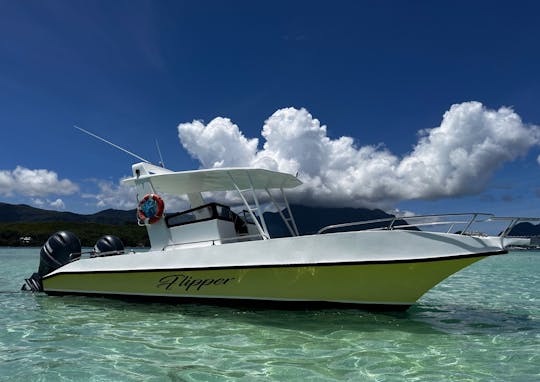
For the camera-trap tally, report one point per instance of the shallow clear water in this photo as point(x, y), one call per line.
point(482, 324)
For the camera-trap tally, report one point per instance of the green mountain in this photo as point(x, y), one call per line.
point(311, 219)
point(21, 220)
point(10, 213)
point(18, 221)
point(525, 229)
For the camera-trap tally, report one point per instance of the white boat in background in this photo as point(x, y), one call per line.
point(209, 252)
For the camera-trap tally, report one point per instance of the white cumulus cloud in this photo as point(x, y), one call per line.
point(34, 183)
point(124, 197)
point(58, 204)
point(461, 155)
point(38, 202)
point(211, 143)
point(115, 195)
point(454, 159)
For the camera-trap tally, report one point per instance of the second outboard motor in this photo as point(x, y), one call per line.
point(55, 253)
point(110, 245)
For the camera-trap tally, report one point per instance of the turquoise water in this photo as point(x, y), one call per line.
point(482, 324)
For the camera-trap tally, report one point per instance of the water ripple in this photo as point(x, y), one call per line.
point(480, 325)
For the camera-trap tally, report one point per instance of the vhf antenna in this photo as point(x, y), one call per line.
point(113, 145)
point(160, 157)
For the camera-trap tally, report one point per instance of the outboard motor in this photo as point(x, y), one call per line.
point(55, 253)
point(108, 245)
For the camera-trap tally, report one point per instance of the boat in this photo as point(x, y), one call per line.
point(225, 253)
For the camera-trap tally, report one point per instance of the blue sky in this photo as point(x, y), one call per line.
point(375, 71)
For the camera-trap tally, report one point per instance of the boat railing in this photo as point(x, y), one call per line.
point(91, 254)
point(419, 222)
point(224, 240)
point(513, 221)
point(415, 222)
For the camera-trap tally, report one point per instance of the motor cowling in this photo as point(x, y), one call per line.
point(55, 253)
point(57, 250)
point(110, 244)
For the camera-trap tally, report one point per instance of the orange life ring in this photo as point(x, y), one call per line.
point(150, 209)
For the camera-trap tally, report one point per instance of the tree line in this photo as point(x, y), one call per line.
point(11, 233)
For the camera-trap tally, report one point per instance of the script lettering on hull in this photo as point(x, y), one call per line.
point(187, 283)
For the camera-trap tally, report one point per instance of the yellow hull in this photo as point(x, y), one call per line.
point(392, 283)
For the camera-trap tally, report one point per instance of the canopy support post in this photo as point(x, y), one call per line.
point(289, 211)
point(291, 227)
point(262, 231)
point(258, 207)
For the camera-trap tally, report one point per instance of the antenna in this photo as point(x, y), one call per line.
point(160, 157)
point(110, 143)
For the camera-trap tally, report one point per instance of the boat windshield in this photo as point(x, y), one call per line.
point(209, 211)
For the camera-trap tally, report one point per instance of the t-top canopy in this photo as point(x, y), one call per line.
point(221, 179)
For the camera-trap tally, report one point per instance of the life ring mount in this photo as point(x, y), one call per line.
point(150, 209)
